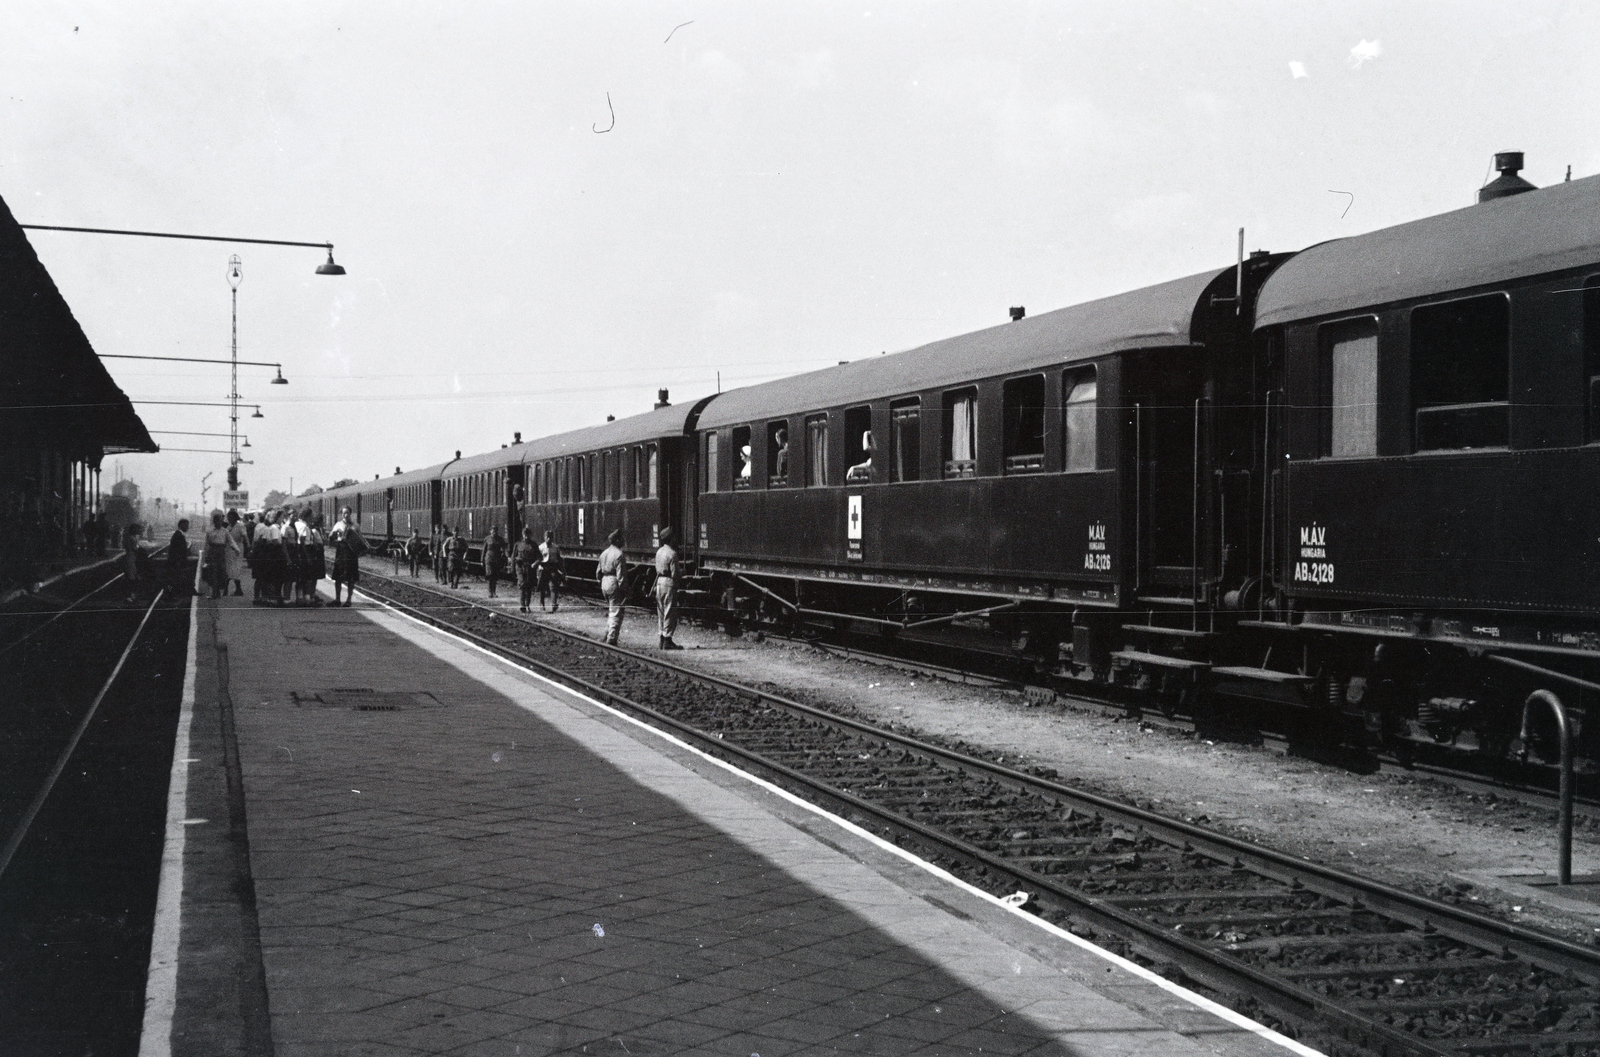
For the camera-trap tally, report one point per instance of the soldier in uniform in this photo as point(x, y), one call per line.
point(612, 572)
point(667, 590)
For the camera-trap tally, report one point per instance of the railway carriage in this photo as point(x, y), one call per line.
point(1438, 522)
point(415, 502)
point(483, 492)
point(634, 474)
point(1044, 475)
point(371, 512)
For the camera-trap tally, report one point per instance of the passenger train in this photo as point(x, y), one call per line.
point(1356, 484)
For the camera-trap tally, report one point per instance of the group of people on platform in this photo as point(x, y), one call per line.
point(286, 553)
point(284, 549)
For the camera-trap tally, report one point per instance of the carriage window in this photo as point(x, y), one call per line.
point(817, 451)
point(777, 454)
point(603, 487)
point(859, 445)
point(1591, 353)
point(710, 483)
point(653, 485)
point(614, 482)
point(1350, 389)
point(1022, 406)
point(905, 447)
point(961, 433)
point(740, 453)
point(1080, 420)
point(1461, 373)
point(628, 468)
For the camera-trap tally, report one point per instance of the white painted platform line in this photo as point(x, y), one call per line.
point(408, 628)
point(161, 981)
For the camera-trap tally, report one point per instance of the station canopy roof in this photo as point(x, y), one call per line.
point(1154, 317)
point(54, 391)
point(1548, 230)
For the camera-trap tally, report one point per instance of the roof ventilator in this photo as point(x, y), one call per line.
point(1508, 183)
point(1017, 312)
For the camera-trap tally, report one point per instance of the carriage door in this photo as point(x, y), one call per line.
point(516, 496)
point(1165, 389)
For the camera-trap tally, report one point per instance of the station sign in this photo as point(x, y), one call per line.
point(239, 500)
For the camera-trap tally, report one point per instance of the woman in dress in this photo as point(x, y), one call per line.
point(313, 559)
point(266, 556)
point(238, 543)
point(292, 557)
point(214, 558)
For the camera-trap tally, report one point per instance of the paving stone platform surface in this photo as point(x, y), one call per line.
point(451, 856)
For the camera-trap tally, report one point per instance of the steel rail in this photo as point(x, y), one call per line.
point(63, 612)
point(1216, 968)
point(59, 614)
point(21, 830)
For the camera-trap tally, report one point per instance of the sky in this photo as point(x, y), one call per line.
point(550, 211)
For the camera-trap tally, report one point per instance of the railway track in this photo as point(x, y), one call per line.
point(92, 687)
point(1510, 782)
point(1341, 961)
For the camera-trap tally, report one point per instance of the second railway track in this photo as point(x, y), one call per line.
point(1347, 963)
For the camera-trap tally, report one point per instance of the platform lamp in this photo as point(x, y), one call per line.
point(234, 277)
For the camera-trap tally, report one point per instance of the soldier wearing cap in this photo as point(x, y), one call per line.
point(612, 571)
point(667, 590)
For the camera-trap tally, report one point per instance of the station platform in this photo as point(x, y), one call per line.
point(384, 841)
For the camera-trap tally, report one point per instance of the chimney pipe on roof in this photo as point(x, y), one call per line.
point(397, 471)
point(661, 399)
point(516, 438)
point(1508, 183)
point(611, 418)
point(1017, 312)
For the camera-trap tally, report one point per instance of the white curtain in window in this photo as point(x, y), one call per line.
point(1354, 397)
point(817, 451)
point(1080, 424)
point(963, 437)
